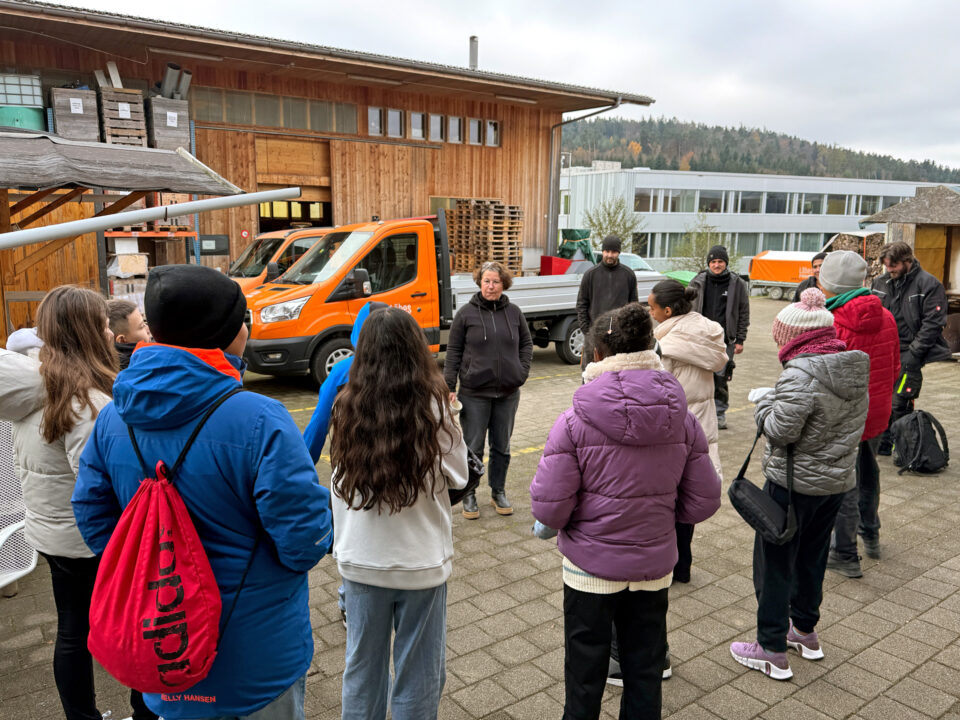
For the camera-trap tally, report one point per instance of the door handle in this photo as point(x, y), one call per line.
point(419, 294)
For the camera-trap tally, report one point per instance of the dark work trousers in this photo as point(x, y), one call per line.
point(641, 623)
point(788, 579)
point(721, 392)
point(72, 664)
point(482, 417)
point(859, 509)
point(901, 406)
point(681, 571)
point(586, 355)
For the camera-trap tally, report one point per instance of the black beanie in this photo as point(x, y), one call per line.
point(611, 243)
point(718, 252)
point(193, 306)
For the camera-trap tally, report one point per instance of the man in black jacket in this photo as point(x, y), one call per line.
point(604, 287)
point(810, 282)
point(918, 303)
point(723, 296)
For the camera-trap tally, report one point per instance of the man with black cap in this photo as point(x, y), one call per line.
point(604, 287)
point(247, 480)
point(723, 296)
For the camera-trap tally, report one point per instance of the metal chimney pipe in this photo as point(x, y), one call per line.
point(169, 83)
point(474, 51)
point(185, 77)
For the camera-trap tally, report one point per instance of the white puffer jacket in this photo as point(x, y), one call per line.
point(693, 350)
point(47, 471)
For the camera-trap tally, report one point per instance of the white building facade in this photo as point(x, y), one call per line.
point(752, 212)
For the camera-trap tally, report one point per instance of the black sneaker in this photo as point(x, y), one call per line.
point(721, 422)
point(871, 546)
point(885, 449)
point(343, 618)
point(667, 667)
point(615, 676)
point(847, 568)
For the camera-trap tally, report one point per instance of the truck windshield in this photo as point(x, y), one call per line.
point(323, 260)
point(255, 258)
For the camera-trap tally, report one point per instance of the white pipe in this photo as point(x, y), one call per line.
point(18, 238)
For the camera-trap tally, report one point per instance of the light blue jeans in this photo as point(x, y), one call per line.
point(288, 705)
point(419, 619)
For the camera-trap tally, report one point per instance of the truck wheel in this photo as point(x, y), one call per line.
point(776, 293)
point(328, 355)
point(570, 349)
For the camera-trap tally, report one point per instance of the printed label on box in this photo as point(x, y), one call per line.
point(171, 119)
point(208, 244)
point(76, 106)
point(124, 110)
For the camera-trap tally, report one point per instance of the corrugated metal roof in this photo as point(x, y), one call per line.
point(932, 206)
point(398, 63)
point(36, 161)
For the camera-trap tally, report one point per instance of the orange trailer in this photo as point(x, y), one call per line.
point(778, 272)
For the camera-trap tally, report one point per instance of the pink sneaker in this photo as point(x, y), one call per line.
point(807, 645)
point(756, 658)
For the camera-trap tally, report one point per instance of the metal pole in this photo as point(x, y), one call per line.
point(19, 238)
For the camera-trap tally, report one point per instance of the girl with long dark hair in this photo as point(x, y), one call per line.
point(53, 406)
point(396, 449)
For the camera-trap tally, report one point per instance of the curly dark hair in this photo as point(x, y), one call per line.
point(388, 420)
point(624, 330)
point(672, 294)
point(896, 252)
point(506, 277)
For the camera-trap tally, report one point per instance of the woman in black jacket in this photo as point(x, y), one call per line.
point(490, 351)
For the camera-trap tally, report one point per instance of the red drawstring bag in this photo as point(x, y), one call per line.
point(155, 611)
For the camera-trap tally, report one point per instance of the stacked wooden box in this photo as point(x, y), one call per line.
point(168, 123)
point(484, 230)
point(75, 114)
point(122, 120)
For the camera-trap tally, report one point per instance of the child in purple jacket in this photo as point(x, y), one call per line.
point(620, 469)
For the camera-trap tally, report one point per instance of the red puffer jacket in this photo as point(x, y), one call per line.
point(864, 324)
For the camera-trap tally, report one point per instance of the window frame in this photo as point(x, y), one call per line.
point(451, 119)
point(470, 126)
point(443, 127)
point(423, 124)
point(379, 132)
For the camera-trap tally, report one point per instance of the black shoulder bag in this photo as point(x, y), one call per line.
point(773, 523)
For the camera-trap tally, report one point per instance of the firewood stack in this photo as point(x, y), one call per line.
point(869, 248)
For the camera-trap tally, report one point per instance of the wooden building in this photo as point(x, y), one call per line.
point(362, 134)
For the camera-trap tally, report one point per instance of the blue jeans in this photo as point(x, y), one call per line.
point(483, 416)
point(288, 705)
point(419, 620)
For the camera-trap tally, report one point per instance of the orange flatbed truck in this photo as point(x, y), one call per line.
point(283, 247)
point(301, 322)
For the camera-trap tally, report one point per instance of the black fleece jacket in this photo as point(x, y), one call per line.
point(604, 288)
point(489, 348)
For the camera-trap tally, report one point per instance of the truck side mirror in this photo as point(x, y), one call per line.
point(361, 283)
point(273, 272)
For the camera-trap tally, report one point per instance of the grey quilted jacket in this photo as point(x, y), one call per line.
point(820, 404)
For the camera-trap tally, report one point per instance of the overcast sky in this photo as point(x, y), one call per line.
point(878, 76)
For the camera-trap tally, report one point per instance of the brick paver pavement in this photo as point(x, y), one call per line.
point(890, 638)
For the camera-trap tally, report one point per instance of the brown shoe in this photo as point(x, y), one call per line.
point(499, 501)
point(470, 509)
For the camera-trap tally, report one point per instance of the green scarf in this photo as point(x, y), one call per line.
point(838, 300)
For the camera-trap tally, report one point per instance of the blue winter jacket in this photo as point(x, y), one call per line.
point(248, 473)
point(316, 433)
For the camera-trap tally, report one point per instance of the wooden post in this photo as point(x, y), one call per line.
point(4, 227)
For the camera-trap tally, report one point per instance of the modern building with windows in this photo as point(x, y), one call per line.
point(751, 212)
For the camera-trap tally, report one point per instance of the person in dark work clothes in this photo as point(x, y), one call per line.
point(604, 287)
point(811, 281)
point(722, 296)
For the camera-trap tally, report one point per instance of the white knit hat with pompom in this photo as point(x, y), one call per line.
point(808, 314)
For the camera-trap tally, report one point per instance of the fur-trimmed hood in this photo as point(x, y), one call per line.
point(643, 360)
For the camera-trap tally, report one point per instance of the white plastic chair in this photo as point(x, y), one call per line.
point(16, 557)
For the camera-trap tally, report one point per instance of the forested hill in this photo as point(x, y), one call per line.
point(673, 145)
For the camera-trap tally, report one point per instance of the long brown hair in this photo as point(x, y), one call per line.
point(388, 420)
point(76, 357)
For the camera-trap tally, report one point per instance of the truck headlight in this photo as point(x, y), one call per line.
point(289, 310)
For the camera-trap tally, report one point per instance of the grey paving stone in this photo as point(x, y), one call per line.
point(922, 697)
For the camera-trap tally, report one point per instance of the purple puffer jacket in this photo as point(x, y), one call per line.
point(620, 468)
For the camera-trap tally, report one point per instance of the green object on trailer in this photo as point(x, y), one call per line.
point(574, 240)
point(19, 116)
point(681, 276)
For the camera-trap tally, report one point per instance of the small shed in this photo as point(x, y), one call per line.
point(46, 180)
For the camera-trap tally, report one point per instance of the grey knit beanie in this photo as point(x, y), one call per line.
point(842, 271)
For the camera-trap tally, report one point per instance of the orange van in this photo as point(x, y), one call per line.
point(283, 247)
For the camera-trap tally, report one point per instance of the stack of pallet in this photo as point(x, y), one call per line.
point(121, 117)
point(485, 230)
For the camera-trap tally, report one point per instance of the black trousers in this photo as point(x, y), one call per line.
point(73, 580)
point(681, 571)
point(859, 509)
point(641, 624)
point(788, 579)
point(483, 417)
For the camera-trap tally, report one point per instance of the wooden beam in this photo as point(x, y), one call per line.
point(49, 208)
point(30, 200)
point(55, 245)
point(4, 227)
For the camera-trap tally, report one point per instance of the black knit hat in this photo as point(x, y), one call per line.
point(718, 252)
point(611, 243)
point(193, 306)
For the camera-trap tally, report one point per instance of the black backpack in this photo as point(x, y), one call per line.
point(915, 443)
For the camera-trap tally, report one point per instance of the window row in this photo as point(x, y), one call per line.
point(262, 110)
point(429, 126)
point(665, 245)
point(754, 201)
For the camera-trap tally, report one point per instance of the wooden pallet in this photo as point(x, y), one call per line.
point(122, 121)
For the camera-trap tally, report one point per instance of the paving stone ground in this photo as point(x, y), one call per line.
point(890, 638)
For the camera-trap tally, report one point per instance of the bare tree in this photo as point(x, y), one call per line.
point(698, 238)
point(612, 217)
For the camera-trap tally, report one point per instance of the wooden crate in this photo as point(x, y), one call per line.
point(168, 123)
point(122, 119)
point(75, 115)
